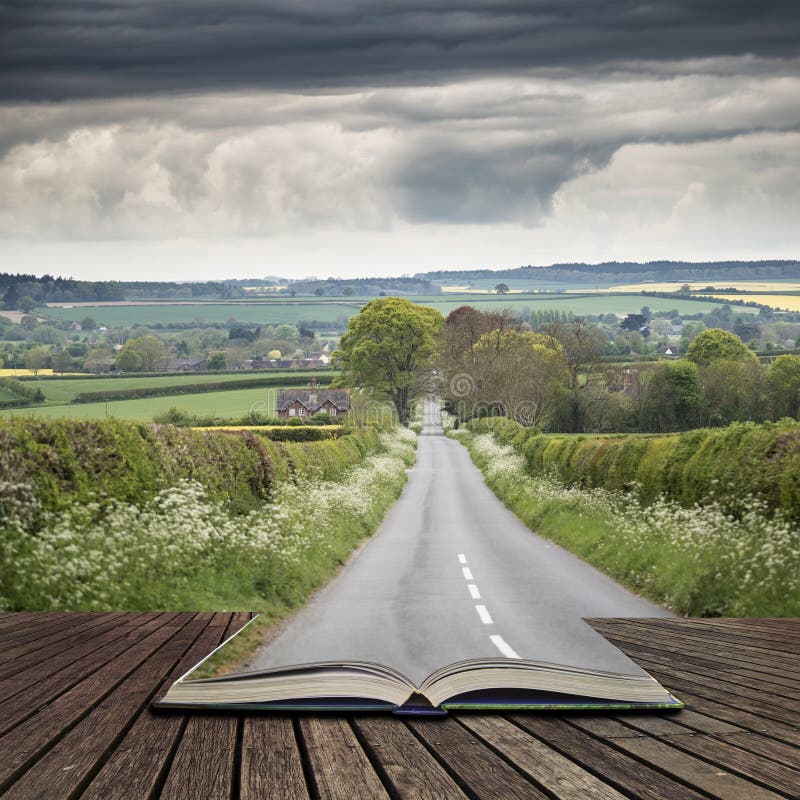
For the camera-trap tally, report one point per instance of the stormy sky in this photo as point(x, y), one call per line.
point(146, 139)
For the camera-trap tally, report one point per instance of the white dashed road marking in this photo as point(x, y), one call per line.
point(473, 591)
point(483, 613)
point(500, 643)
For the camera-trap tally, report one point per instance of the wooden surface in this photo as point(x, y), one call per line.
point(75, 722)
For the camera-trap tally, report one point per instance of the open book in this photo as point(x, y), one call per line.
point(474, 684)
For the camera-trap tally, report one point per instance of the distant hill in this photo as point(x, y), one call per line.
point(628, 272)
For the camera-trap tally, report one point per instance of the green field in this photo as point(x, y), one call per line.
point(231, 404)
point(59, 390)
point(271, 312)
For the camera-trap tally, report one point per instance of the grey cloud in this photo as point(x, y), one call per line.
point(98, 48)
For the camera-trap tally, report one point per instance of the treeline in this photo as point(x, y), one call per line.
point(17, 289)
point(55, 463)
point(728, 464)
point(556, 379)
point(368, 287)
point(631, 271)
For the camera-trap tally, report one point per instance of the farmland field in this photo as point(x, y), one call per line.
point(787, 302)
point(292, 311)
point(62, 391)
point(720, 283)
point(234, 403)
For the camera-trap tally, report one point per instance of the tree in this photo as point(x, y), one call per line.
point(716, 344)
point(217, 361)
point(519, 374)
point(143, 354)
point(502, 288)
point(26, 304)
point(389, 347)
point(36, 358)
point(784, 387)
point(89, 324)
point(633, 322)
point(274, 355)
point(733, 390)
point(672, 398)
point(319, 291)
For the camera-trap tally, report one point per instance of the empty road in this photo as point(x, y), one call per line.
point(453, 574)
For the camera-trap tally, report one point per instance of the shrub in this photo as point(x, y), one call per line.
point(723, 464)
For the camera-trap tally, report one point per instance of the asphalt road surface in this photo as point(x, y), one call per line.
point(453, 574)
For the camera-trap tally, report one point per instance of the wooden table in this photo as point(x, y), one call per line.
point(75, 722)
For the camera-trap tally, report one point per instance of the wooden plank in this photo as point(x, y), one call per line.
point(88, 700)
point(476, 766)
point(25, 704)
point(143, 756)
point(769, 748)
point(764, 666)
point(602, 759)
point(557, 774)
point(412, 773)
point(31, 632)
point(38, 645)
point(729, 680)
point(38, 666)
point(739, 716)
point(679, 683)
point(735, 634)
point(717, 781)
point(712, 665)
point(784, 663)
point(727, 755)
point(11, 620)
point(73, 759)
point(337, 764)
point(271, 761)
point(203, 764)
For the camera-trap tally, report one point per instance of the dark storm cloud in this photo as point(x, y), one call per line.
point(97, 48)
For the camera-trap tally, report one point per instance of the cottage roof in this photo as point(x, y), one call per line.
point(340, 398)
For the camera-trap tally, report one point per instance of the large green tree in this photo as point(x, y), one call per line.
point(716, 344)
point(389, 348)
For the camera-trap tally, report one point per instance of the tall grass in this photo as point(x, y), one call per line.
point(182, 549)
point(704, 560)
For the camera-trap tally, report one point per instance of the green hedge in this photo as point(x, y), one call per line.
point(305, 433)
point(744, 459)
point(189, 388)
point(26, 394)
point(65, 460)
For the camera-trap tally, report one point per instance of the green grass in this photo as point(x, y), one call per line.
point(236, 403)
point(292, 310)
point(263, 313)
point(6, 395)
point(59, 390)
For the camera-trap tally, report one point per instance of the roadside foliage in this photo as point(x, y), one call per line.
point(110, 515)
point(730, 555)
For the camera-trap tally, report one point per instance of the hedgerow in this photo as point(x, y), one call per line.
point(759, 461)
point(66, 461)
point(700, 560)
point(25, 394)
point(180, 549)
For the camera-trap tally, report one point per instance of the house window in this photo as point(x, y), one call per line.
point(332, 412)
point(302, 412)
point(291, 412)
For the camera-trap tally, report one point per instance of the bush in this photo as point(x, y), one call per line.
point(761, 461)
point(26, 394)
